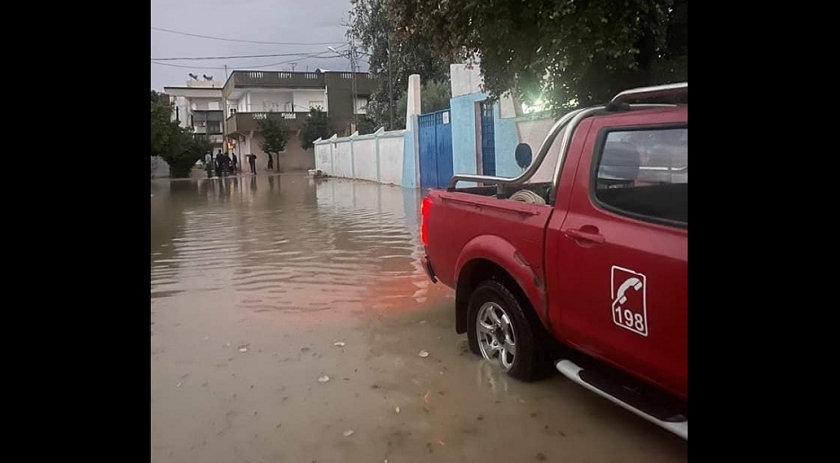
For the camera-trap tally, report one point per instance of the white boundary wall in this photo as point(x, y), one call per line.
point(378, 157)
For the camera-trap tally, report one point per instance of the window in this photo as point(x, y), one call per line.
point(643, 173)
point(361, 105)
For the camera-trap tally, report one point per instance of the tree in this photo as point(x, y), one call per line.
point(163, 130)
point(434, 96)
point(366, 125)
point(316, 125)
point(373, 30)
point(179, 147)
point(561, 53)
point(190, 148)
point(274, 136)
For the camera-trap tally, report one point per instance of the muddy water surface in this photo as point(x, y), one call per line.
point(255, 280)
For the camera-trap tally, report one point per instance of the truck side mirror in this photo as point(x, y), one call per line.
point(523, 155)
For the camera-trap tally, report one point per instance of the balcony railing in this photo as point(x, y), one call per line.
point(212, 138)
point(247, 122)
point(269, 79)
point(204, 129)
point(284, 115)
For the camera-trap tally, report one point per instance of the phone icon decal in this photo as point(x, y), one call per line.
point(628, 292)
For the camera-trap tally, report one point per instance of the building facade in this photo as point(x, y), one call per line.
point(253, 95)
point(485, 133)
point(199, 106)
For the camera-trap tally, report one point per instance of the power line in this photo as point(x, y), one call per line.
point(197, 58)
point(186, 67)
point(241, 40)
point(305, 57)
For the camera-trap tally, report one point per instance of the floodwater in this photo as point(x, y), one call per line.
point(253, 282)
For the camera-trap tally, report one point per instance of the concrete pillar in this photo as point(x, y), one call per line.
point(376, 136)
point(332, 153)
point(413, 107)
point(411, 150)
point(353, 154)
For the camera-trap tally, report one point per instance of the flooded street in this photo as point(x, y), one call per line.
point(261, 286)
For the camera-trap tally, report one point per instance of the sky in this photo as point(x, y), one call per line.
point(299, 21)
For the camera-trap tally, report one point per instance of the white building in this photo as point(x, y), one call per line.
point(251, 95)
point(198, 105)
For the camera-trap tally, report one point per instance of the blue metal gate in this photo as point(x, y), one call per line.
point(435, 149)
point(488, 140)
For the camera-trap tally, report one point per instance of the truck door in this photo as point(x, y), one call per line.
point(620, 255)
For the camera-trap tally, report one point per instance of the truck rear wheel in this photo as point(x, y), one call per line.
point(500, 332)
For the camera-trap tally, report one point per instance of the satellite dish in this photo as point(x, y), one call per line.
point(523, 155)
point(206, 77)
point(193, 76)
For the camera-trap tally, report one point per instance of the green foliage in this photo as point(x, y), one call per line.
point(163, 130)
point(316, 125)
point(434, 96)
point(193, 148)
point(274, 136)
point(371, 28)
point(179, 147)
point(366, 125)
point(565, 52)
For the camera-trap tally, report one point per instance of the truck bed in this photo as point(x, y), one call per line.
point(505, 192)
point(474, 223)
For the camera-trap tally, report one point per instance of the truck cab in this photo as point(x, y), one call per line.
point(585, 268)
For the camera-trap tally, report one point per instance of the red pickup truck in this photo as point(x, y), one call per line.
point(585, 268)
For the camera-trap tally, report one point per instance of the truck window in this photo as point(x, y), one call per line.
point(643, 173)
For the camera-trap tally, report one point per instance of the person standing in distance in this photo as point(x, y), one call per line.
point(208, 163)
point(234, 162)
point(252, 161)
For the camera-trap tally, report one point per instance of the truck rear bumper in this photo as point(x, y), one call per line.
point(427, 267)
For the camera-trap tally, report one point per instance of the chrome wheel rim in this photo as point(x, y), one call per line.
point(495, 334)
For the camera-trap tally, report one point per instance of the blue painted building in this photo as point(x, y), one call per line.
point(484, 136)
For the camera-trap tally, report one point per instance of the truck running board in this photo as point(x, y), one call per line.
point(629, 400)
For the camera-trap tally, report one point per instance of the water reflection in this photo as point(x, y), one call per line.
point(288, 242)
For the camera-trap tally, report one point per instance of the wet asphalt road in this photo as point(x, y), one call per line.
point(253, 282)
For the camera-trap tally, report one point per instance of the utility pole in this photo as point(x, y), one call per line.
point(293, 66)
point(353, 70)
point(390, 85)
point(224, 116)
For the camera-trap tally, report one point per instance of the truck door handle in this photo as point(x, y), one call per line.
point(585, 236)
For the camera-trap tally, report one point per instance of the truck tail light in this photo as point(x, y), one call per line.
point(425, 205)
